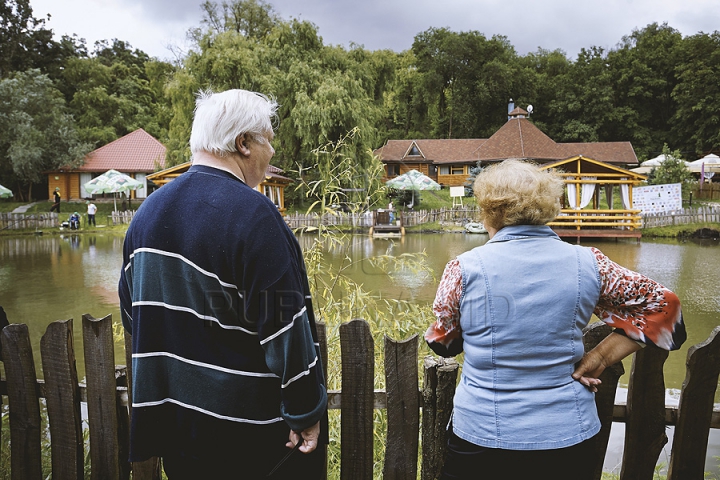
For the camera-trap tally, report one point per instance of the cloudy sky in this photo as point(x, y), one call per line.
point(153, 25)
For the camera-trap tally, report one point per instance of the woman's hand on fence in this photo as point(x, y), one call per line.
point(309, 437)
point(611, 350)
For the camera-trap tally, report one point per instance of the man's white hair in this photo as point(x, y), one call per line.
point(222, 117)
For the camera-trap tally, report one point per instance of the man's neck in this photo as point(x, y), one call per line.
point(228, 163)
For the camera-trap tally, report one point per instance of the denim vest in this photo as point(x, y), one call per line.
point(527, 297)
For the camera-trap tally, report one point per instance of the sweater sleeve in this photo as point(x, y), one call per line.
point(640, 307)
point(444, 335)
point(274, 273)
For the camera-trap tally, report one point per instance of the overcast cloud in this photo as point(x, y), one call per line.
point(152, 25)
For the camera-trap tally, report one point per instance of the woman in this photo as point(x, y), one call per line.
point(517, 306)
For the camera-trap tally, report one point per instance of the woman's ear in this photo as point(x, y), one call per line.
point(241, 144)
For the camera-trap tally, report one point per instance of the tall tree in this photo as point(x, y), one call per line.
point(696, 122)
point(38, 132)
point(115, 91)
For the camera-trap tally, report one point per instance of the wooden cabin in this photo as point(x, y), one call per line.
point(587, 182)
point(136, 154)
point(273, 185)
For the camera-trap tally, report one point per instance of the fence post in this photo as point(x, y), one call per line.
point(356, 424)
point(438, 392)
point(101, 397)
point(322, 340)
point(403, 409)
point(604, 398)
point(645, 429)
point(63, 401)
point(25, 462)
point(690, 440)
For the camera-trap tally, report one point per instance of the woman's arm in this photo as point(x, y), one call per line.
point(444, 336)
point(611, 350)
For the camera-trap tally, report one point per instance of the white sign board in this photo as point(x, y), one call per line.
point(658, 198)
point(457, 191)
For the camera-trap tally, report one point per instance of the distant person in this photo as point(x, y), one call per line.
point(74, 221)
point(56, 201)
point(91, 211)
point(516, 306)
point(227, 374)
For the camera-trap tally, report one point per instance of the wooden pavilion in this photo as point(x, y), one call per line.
point(273, 185)
point(586, 180)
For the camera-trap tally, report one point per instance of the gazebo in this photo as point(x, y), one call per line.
point(273, 185)
point(582, 216)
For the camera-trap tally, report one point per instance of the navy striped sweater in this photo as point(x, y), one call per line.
point(214, 291)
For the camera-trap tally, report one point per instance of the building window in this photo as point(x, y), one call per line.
point(445, 170)
point(393, 169)
point(458, 170)
point(414, 152)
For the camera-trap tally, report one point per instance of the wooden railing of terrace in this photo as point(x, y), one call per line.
point(106, 396)
point(597, 218)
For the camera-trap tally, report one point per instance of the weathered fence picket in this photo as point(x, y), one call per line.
point(106, 395)
point(62, 396)
point(690, 439)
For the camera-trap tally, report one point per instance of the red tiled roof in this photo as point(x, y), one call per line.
point(433, 151)
point(137, 151)
point(517, 138)
point(608, 152)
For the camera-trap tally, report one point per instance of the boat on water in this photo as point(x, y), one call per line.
point(475, 227)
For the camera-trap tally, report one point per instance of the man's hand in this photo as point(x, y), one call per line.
point(309, 437)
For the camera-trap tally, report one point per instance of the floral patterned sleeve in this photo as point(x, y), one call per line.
point(642, 308)
point(444, 336)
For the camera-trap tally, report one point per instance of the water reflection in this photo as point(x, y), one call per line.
point(47, 278)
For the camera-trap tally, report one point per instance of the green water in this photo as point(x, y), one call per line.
point(54, 277)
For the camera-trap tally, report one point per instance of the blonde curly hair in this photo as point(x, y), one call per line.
point(515, 192)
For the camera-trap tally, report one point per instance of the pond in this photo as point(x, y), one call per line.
point(56, 277)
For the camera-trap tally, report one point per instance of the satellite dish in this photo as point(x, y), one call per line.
point(530, 109)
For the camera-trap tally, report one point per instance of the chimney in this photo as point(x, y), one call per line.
point(511, 107)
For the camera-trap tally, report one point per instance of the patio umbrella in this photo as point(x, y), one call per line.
point(112, 181)
point(414, 181)
point(5, 192)
point(711, 164)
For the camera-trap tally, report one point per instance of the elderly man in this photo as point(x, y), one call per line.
point(226, 373)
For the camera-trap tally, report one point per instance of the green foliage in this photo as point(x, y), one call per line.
point(117, 91)
point(339, 177)
point(38, 132)
point(672, 170)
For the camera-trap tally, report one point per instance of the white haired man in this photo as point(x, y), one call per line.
point(226, 370)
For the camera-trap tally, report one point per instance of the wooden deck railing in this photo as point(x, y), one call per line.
point(106, 395)
point(594, 218)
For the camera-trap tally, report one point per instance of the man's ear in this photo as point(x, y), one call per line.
point(241, 144)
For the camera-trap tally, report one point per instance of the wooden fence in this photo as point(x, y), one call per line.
point(705, 214)
point(17, 221)
point(365, 219)
point(120, 217)
point(106, 395)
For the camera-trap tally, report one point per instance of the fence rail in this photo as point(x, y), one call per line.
point(365, 219)
point(682, 217)
point(106, 394)
point(17, 221)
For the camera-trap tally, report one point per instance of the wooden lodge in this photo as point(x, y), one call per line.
point(412, 441)
point(582, 215)
point(273, 185)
